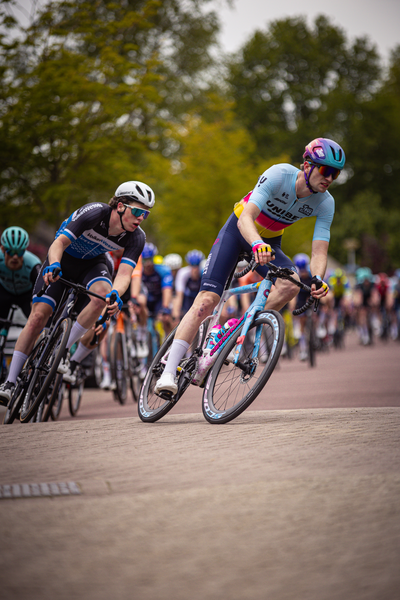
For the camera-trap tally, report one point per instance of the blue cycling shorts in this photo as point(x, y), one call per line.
point(224, 256)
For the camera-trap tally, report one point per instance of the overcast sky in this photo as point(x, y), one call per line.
point(379, 19)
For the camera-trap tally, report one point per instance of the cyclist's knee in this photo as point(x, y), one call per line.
point(204, 303)
point(39, 316)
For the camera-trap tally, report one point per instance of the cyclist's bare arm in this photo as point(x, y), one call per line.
point(56, 251)
point(319, 259)
point(249, 231)
point(121, 283)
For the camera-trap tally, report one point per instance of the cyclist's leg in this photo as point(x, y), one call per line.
point(220, 262)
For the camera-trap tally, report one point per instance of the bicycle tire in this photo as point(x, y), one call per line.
point(55, 398)
point(227, 392)
point(151, 407)
point(311, 342)
point(119, 373)
point(43, 377)
point(12, 411)
point(75, 393)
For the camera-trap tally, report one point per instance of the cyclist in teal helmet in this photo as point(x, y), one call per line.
point(19, 269)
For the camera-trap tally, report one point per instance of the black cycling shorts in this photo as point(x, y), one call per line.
point(7, 299)
point(77, 270)
point(224, 256)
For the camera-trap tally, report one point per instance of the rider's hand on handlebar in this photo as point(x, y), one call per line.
point(52, 272)
point(262, 252)
point(319, 288)
point(116, 306)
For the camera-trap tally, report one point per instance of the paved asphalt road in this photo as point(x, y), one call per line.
point(297, 499)
point(352, 377)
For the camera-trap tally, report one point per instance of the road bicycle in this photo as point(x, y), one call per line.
point(237, 368)
point(40, 368)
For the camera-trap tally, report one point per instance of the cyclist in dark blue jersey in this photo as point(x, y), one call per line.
point(79, 250)
point(282, 196)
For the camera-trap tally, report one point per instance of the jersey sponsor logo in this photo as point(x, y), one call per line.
point(306, 210)
point(209, 285)
point(281, 212)
point(262, 180)
point(81, 211)
point(280, 200)
point(94, 237)
point(208, 260)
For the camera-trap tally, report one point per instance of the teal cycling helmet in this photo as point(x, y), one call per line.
point(15, 240)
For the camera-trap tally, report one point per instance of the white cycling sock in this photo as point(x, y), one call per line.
point(177, 352)
point(17, 363)
point(81, 353)
point(77, 332)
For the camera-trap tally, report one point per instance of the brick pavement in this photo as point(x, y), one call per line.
point(279, 504)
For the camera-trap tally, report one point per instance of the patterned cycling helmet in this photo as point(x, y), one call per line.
point(194, 257)
point(301, 261)
point(323, 151)
point(149, 251)
point(173, 261)
point(15, 240)
point(138, 191)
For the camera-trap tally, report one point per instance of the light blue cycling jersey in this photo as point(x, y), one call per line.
point(276, 198)
point(21, 281)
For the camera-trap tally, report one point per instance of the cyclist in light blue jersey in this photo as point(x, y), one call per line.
point(79, 251)
point(282, 196)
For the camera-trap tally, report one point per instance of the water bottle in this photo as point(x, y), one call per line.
point(212, 339)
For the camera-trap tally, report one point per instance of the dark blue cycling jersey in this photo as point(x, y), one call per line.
point(87, 228)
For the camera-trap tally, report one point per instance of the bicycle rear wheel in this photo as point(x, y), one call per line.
point(46, 372)
point(230, 388)
point(55, 398)
point(75, 391)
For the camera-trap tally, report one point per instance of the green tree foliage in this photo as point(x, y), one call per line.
point(215, 170)
point(84, 98)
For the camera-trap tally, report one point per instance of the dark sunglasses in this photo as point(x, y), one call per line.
point(19, 253)
point(138, 212)
point(326, 171)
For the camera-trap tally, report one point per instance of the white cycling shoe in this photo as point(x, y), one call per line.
point(166, 383)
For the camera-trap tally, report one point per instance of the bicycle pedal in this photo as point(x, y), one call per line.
point(167, 396)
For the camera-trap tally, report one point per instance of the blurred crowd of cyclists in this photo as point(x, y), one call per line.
point(163, 289)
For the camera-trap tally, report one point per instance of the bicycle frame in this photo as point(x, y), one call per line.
point(263, 289)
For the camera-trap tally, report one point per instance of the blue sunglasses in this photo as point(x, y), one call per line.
point(138, 212)
point(12, 252)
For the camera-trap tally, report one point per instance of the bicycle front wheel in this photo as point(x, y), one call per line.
point(231, 388)
point(46, 370)
point(119, 370)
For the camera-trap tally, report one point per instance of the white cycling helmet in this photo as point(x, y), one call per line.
point(136, 190)
point(173, 261)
